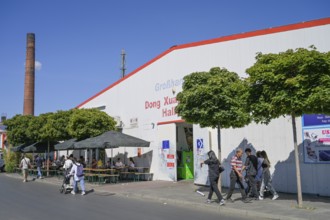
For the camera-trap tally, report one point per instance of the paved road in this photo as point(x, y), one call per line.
point(38, 201)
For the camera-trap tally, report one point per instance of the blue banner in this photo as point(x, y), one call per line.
point(316, 120)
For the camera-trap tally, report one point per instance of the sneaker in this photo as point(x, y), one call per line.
point(24, 181)
point(230, 200)
point(246, 200)
point(73, 193)
point(261, 198)
point(222, 202)
point(275, 197)
point(208, 201)
point(83, 193)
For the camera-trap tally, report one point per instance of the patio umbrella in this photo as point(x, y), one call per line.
point(39, 147)
point(66, 145)
point(111, 139)
point(18, 148)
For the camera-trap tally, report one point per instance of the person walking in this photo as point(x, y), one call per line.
point(259, 170)
point(236, 176)
point(39, 164)
point(266, 178)
point(77, 171)
point(251, 166)
point(67, 168)
point(25, 165)
point(2, 164)
point(214, 174)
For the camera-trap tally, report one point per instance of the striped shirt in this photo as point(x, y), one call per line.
point(236, 162)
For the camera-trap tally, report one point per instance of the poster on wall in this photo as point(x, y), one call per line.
point(316, 145)
point(201, 147)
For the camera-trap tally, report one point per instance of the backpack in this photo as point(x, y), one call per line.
point(80, 171)
point(253, 166)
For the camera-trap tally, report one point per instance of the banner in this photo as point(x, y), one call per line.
point(316, 145)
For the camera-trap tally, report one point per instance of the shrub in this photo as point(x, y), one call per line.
point(11, 160)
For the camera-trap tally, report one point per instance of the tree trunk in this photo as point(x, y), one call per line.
point(219, 155)
point(48, 160)
point(296, 154)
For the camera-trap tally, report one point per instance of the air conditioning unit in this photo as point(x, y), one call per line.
point(117, 120)
point(134, 121)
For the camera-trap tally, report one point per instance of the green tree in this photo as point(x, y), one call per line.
point(214, 99)
point(294, 82)
point(85, 123)
point(17, 128)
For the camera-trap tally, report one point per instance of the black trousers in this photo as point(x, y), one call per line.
point(234, 178)
point(253, 185)
point(214, 188)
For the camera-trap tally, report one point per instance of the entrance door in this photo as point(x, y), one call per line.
point(185, 158)
point(167, 166)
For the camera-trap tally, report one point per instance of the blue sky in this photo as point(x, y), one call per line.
point(78, 42)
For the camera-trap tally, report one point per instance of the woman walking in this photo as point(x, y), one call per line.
point(214, 174)
point(266, 177)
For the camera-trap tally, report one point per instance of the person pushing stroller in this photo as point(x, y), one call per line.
point(77, 171)
point(68, 164)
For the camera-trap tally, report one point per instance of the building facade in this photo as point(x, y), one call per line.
point(143, 104)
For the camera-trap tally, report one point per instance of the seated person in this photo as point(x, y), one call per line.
point(99, 164)
point(109, 165)
point(94, 163)
point(131, 165)
point(119, 164)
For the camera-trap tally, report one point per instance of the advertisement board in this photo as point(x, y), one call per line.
point(316, 145)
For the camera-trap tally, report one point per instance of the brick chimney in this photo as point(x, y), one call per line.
point(28, 108)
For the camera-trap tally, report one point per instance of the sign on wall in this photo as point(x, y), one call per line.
point(316, 120)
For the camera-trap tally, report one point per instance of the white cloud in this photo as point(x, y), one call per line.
point(37, 65)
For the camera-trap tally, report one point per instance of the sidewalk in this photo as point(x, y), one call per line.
point(183, 193)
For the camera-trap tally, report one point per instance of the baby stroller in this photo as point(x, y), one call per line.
point(65, 187)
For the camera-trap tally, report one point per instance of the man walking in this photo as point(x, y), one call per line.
point(39, 164)
point(25, 165)
point(236, 176)
point(251, 166)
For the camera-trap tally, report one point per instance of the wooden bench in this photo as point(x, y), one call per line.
point(91, 176)
point(127, 175)
point(146, 176)
point(112, 178)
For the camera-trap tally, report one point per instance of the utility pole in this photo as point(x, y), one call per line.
point(123, 63)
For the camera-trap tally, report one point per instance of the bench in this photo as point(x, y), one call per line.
point(112, 178)
point(143, 176)
point(90, 177)
point(127, 175)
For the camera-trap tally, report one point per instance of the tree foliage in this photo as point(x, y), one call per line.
point(61, 125)
point(55, 127)
point(293, 82)
point(85, 123)
point(214, 98)
point(17, 129)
